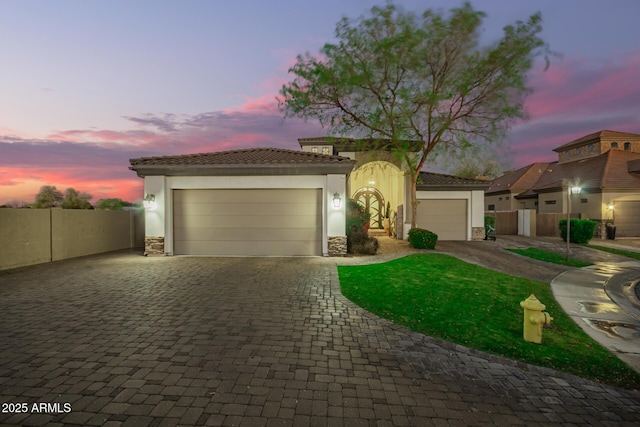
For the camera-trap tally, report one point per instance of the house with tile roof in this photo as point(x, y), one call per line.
point(277, 202)
point(605, 165)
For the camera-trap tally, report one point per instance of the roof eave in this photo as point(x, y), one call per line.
point(451, 187)
point(243, 169)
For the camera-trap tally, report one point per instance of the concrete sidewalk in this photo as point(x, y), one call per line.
point(599, 299)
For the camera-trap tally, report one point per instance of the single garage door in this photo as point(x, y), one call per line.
point(627, 218)
point(447, 218)
point(260, 222)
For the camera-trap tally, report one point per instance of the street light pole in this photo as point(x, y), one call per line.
point(568, 220)
point(570, 190)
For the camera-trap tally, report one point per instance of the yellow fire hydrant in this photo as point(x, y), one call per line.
point(534, 319)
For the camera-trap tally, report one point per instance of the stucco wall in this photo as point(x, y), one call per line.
point(34, 236)
point(25, 237)
point(86, 232)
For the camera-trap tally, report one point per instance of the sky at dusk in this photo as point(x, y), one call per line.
point(87, 85)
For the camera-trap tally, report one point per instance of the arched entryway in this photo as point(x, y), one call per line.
point(374, 204)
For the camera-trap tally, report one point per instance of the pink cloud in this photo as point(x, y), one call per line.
point(573, 99)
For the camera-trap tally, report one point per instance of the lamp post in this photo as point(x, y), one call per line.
point(570, 190)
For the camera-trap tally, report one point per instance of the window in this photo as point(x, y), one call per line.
point(578, 150)
point(584, 200)
point(499, 198)
point(535, 204)
point(506, 198)
point(549, 202)
point(491, 208)
point(314, 149)
point(325, 150)
point(627, 146)
point(614, 145)
point(592, 147)
point(566, 153)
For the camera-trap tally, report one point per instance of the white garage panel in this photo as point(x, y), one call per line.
point(447, 218)
point(627, 218)
point(254, 222)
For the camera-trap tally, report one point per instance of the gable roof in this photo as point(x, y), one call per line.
point(595, 137)
point(518, 181)
point(608, 170)
point(439, 181)
point(252, 161)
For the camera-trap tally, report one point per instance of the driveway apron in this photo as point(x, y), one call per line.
point(120, 339)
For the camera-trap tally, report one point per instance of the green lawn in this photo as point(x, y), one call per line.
point(629, 254)
point(441, 296)
point(547, 256)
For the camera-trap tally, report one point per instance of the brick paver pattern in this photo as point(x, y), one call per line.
point(129, 340)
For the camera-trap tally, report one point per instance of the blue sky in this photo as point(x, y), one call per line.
point(87, 85)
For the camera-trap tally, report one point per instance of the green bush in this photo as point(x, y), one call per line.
point(422, 239)
point(581, 230)
point(357, 216)
point(359, 242)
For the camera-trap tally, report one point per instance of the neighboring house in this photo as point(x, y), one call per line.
point(605, 165)
point(269, 201)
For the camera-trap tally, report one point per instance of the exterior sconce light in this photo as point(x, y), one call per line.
point(337, 201)
point(149, 202)
point(611, 207)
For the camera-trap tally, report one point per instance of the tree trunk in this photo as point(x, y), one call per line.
point(414, 200)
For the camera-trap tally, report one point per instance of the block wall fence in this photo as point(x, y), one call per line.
point(35, 236)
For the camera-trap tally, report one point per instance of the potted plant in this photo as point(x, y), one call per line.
point(386, 221)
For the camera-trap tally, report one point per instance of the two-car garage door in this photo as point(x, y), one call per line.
point(254, 222)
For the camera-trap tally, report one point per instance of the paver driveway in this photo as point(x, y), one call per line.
point(130, 340)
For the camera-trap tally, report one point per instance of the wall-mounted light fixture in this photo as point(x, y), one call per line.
point(611, 206)
point(149, 202)
point(337, 201)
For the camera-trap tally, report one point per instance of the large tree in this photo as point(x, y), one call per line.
point(74, 199)
point(399, 76)
point(48, 197)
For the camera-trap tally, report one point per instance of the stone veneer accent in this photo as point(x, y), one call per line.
point(153, 245)
point(337, 245)
point(477, 233)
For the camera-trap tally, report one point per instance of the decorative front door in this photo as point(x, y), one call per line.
point(373, 203)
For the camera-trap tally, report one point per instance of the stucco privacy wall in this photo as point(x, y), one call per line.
point(78, 232)
point(34, 236)
point(25, 237)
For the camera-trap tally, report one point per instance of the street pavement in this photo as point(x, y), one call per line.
point(121, 339)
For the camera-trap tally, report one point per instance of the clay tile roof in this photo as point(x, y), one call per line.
point(633, 166)
point(252, 161)
point(429, 180)
point(607, 170)
point(594, 137)
point(520, 180)
point(251, 156)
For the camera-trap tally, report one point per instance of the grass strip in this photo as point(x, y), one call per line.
point(628, 254)
point(553, 257)
point(444, 297)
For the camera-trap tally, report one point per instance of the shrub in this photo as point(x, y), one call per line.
point(357, 216)
point(422, 239)
point(359, 242)
point(581, 230)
